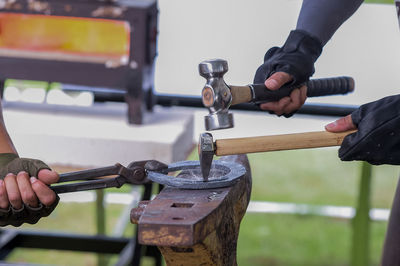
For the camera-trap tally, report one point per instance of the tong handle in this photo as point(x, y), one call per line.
point(89, 185)
point(90, 173)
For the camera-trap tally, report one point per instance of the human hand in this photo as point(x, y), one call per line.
point(287, 105)
point(376, 140)
point(24, 192)
point(291, 64)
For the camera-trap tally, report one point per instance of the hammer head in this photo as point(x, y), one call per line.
point(206, 150)
point(216, 94)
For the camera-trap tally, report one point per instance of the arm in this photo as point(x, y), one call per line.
point(294, 62)
point(24, 192)
point(321, 18)
point(6, 145)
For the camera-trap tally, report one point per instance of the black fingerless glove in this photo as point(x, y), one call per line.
point(26, 214)
point(377, 140)
point(11, 163)
point(296, 57)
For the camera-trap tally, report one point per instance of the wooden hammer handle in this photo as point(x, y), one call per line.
point(241, 94)
point(279, 142)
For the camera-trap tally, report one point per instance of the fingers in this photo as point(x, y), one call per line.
point(13, 194)
point(25, 189)
point(277, 80)
point(20, 188)
point(287, 105)
point(4, 203)
point(43, 192)
point(340, 125)
point(48, 177)
point(276, 107)
point(297, 99)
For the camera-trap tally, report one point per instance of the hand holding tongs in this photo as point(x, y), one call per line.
point(135, 173)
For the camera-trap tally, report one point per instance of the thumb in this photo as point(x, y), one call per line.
point(277, 80)
point(341, 125)
point(48, 176)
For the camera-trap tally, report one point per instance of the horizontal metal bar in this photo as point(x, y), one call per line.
point(64, 241)
point(194, 101)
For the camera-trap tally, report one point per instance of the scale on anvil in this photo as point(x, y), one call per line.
point(96, 44)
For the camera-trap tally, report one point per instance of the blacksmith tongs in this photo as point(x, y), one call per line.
point(135, 174)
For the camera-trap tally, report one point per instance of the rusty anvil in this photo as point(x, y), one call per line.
point(196, 227)
point(207, 147)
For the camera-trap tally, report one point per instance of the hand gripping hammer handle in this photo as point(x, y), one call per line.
point(259, 93)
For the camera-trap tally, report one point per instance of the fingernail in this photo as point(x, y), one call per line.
point(9, 174)
point(33, 179)
point(331, 125)
point(22, 172)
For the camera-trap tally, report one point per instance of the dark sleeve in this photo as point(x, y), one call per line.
point(321, 18)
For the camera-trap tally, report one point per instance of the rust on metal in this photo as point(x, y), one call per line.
point(197, 227)
point(137, 212)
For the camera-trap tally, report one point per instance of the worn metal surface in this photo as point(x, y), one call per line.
point(222, 174)
point(197, 227)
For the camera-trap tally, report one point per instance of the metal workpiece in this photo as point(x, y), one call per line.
point(222, 174)
point(197, 227)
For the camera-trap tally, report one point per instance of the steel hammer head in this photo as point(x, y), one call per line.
point(216, 94)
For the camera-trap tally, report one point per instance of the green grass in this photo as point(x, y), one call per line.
point(316, 177)
point(267, 239)
point(380, 1)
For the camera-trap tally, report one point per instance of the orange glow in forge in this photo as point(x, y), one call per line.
point(66, 35)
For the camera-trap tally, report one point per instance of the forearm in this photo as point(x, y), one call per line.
point(321, 18)
point(6, 145)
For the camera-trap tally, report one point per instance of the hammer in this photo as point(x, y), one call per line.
point(217, 96)
point(208, 147)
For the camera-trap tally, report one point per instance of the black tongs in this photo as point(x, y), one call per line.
point(135, 174)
